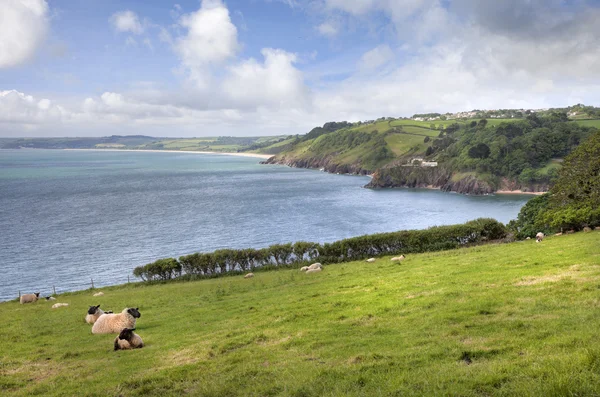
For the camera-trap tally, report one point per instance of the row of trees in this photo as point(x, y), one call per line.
point(293, 255)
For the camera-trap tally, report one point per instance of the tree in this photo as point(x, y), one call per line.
point(530, 219)
point(479, 151)
point(575, 200)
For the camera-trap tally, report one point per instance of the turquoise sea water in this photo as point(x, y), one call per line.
point(68, 216)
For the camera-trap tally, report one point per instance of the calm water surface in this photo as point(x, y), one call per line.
point(68, 216)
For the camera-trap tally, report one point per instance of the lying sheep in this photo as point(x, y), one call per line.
point(304, 268)
point(539, 237)
point(249, 275)
point(29, 298)
point(316, 270)
point(99, 293)
point(113, 323)
point(57, 305)
point(315, 266)
point(94, 312)
point(398, 258)
point(128, 339)
point(50, 298)
point(371, 260)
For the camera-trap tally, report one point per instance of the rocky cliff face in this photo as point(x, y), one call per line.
point(317, 163)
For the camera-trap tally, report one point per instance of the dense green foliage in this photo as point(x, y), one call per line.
point(283, 255)
point(517, 319)
point(529, 221)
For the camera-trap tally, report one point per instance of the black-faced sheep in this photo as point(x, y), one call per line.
point(128, 339)
point(50, 298)
point(113, 323)
point(94, 312)
point(29, 298)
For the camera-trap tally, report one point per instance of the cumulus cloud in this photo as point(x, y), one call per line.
point(126, 21)
point(23, 26)
point(211, 39)
point(19, 108)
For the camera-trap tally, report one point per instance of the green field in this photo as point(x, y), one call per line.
point(512, 319)
point(588, 123)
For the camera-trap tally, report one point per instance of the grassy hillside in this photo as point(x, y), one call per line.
point(510, 319)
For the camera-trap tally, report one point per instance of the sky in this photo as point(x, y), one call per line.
point(272, 67)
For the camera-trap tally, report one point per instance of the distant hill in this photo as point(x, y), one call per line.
point(468, 154)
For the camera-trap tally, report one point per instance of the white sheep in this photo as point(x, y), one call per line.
point(94, 312)
point(128, 339)
point(113, 323)
point(371, 260)
point(315, 266)
point(99, 293)
point(539, 237)
point(316, 270)
point(29, 298)
point(249, 275)
point(57, 305)
point(304, 268)
point(398, 258)
point(50, 298)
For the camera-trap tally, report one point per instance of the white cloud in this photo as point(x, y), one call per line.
point(18, 108)
point(327, 29)
point(276, 82)
point(211, 39)
point(126, 21)
point(376, 57)
point(23, 26)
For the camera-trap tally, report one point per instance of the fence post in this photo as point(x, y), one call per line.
point(92, 282)
point(128, 279)
point(54, 288)
point(19, 294)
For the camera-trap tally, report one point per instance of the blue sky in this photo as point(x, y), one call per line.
point(263, 67)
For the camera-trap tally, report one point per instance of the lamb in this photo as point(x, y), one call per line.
point(57, 305)
point(113, 323)
point(304, 268)
point(50, 298)
point(29, 298)
point(398, 258)
point(128, 339)
point(315, 266)
point(94, 312)
point(371, 260)
point(249, 275)
point(539, 237)
point(315, 270)
point(99, 293)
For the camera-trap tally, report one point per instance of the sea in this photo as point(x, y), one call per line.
point(69, 218)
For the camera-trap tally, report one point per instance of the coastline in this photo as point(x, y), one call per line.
point(518, 192)
point(242, 154)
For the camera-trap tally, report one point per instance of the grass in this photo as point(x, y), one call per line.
point(512, 319)
point(588, 123)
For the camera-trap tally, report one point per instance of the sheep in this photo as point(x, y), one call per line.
point(304, 268)
point(558, 234)
point(371, 260)
point(108, 312)
point(249, 275)
point(315, 266)
point(315, 270)
point(539, 237)
point(128, 339)
point(94, 312)
point(113, 323)
point(50, 298)
point(29, 298)
point(99, 293)
point(57, 305)
point(398, 258)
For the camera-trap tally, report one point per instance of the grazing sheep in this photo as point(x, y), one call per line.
point(94, 312)
point(304, 268)
point(249, 275)
point(29, 298)
point(539, 237)
point(128, 339)
point(99, 293)
point(57, 305)
point(315, 266)
point(558, 234)
point(50, 298)
point(398, 258)
point(316, 270)
point(113, 323)
point(371, 260)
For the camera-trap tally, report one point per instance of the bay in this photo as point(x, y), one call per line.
point(67, 217)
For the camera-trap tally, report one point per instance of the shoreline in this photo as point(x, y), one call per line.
point(518, 192)
point(242, 154)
